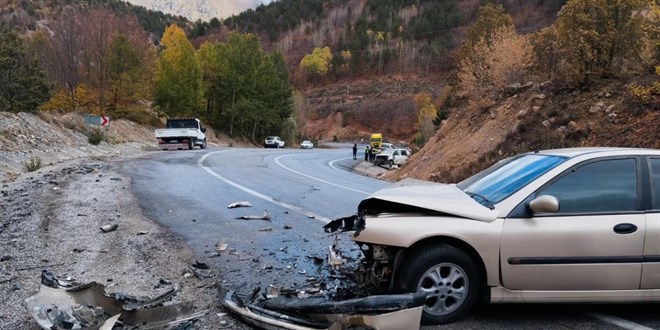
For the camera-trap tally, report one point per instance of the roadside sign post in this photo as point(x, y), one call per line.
point(103, 121)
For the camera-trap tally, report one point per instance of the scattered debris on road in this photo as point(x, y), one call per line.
point(64, 304)
point(239, 204)
point(109, 228)
point(264, 216)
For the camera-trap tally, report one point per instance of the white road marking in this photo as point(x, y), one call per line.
point(258, 194)
point(618, 321)
point(277, 160)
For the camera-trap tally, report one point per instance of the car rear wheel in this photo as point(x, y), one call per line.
point(203, 146)
point(447, 275)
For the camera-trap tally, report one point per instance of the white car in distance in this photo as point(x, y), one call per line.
point(273, 142)
point(307, 144)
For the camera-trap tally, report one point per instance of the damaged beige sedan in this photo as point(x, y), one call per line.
point(567, 225)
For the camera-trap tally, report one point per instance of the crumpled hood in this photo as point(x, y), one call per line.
point(444, 198)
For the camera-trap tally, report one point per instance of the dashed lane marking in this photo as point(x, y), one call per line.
point(277, 160)
point(622, 323)
point(258, 194)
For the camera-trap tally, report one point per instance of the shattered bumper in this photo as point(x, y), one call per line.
point(385, 312)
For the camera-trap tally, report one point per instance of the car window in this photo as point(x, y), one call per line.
point(655, 182)
point(601, 186)
point(506, 177)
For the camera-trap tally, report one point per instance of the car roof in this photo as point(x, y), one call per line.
point(597, 151)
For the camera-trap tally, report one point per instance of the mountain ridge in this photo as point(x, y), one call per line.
point(204, 10)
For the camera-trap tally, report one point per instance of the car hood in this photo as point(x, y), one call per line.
point(444, 198)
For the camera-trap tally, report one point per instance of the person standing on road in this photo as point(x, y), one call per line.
point(354, 151)
point(366, 153)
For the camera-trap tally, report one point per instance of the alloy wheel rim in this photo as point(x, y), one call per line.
point(446, 286)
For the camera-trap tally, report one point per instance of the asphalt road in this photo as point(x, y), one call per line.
point(188, 192)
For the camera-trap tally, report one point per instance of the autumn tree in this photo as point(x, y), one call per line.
point(178, 88)
point(490, 19)
point(127, 75)
point(317, 63)
point(499, 58)
point(75, 54)
point(63, 53)
point(426, 112)
point(23, 84)
point(591, 38)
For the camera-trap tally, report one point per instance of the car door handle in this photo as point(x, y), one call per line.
point(625, 228)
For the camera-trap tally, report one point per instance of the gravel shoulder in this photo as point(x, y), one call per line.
point(51, 221)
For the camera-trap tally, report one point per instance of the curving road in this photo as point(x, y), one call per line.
point(188, 192)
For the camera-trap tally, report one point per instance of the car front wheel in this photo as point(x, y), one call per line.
point(447, 275)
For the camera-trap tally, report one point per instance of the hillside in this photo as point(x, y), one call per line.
point(541, 117)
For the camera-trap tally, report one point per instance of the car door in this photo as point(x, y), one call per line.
point(593, 242)
point(651, 266)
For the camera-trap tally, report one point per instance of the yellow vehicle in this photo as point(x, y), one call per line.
point(376, 140)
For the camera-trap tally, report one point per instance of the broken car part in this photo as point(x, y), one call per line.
point(88, 306)
point(387, 312)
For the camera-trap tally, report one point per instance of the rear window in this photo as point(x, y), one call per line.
point(181, 124)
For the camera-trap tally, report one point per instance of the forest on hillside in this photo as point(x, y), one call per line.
point(90, 57)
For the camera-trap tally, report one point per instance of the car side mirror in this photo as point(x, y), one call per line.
point(203, 129)
point(544, 204)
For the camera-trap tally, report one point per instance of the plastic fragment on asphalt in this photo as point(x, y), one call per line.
point(267, 229)
point(220, 247)
point(264, 216)
point(239, 204)
point(272, 292)
point(109, 228)
point(334, 259)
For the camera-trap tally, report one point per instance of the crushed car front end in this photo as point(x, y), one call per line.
point(426, 237)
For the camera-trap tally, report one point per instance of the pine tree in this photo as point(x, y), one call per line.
point(23, 84)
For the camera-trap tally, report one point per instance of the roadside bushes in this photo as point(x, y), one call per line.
point(95, 136)
point(32, 164)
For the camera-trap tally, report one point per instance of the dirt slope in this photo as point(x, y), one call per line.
point(541, 117)
point(351, 111)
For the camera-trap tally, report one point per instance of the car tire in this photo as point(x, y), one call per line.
point(203, 146)
point(448, 275)
point(391, 163)
point(191, 144)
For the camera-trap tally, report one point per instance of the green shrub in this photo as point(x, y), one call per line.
point(33, 164)
point(95, 136)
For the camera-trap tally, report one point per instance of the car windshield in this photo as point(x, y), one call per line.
point(506, 177)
